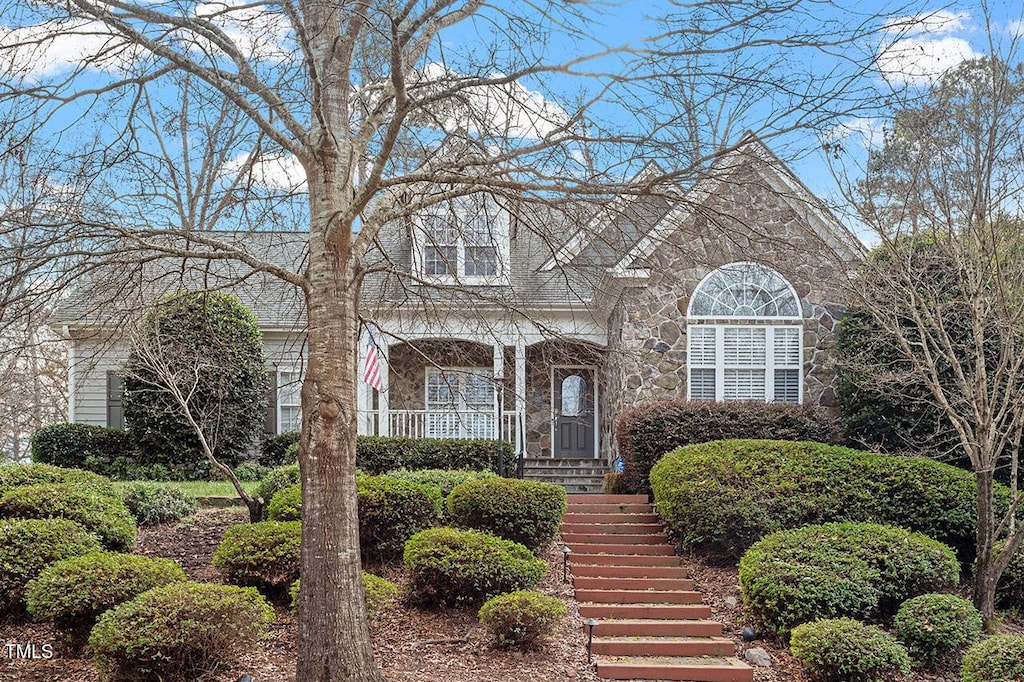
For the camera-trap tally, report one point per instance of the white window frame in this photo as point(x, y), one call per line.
point(281, 404)
point(486, 410)
point(771, 324)
point(457, 211)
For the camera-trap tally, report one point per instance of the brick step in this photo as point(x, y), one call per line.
point(630, 519)
point(583, 558)
point(613, 539)
point(690, 668)
point(607, 499)
point(581, 570)
point(614, 528)
point(638, 596)
point(609, 508)
point(609, 583)
point(663, 646)
point(620, 549)
point(646, 611)
point(643, 627)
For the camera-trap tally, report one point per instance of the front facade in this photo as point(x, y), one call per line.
point(493, 320)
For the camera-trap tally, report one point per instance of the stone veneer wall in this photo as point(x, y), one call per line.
point(743, 221)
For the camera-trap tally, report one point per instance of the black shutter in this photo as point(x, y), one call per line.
point(115, 411)
point(270, 416)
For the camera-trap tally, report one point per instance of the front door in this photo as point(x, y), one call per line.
point(573, 411)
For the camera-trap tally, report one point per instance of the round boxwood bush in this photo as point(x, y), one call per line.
point(833, 570)
point(936, 626)
point(264, 554)
point(286, 504)
point(527, 512)
point(1010, 590)
point(522, 618)
point(377, 591)
point(391, 511)
point(101, 512)
point(179, 631)
point(278, 479)
point(74, 592)
point(27, 546)
point(721, 497)
point(15, 475)
point(844, 650)
point(996, 659)
point(152, 504)
point(452, 567)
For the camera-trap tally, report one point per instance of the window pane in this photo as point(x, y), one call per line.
point(441, 388)
point(291, 419)
point(476, 230)
point(745, 346)
point(702, 384)
point(574, 396)
point(439, 260)
point(787, 385)
point(744, 290)
point(481, 261)
point(787, 346)
point(744, 384)
point(439, 231)
point(479, 390)
point(702, 346)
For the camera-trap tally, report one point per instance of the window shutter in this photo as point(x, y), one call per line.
point(702, 346)
point(787, 347)
point(270, 415)
point(745, 346)
point(115, 405)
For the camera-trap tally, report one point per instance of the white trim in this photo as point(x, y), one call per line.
point(72, 383)
point(551, 412)
point(769, 359)
point(792, 292)
point(520, 397)
point(383, 397)
point(287, 369)
point(457, 209)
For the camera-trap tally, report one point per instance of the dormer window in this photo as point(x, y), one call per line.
point(464, 241)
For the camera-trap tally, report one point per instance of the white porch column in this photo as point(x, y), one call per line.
point(499, 387)
point(383, 418)
point(520, 397)
point(364, 399)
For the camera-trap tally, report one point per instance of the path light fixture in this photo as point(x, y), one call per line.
point(749, 634)
point(245, 678)
point(565, 563)
point(590, 623)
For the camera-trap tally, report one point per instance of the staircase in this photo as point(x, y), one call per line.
point(651, 624)
point(575, 475)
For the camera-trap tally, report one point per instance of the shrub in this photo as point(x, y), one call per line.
point(286, 504)
point(274, 450)
point(834, 570)
point(527, 512)
point(152, 504)
point(27, 546)
point(101, 512)
point(378, 454)
point(452, 567)
point(291, 454)
point(843, 650)
point(178, 631)
point(1010, 590)
point(250, 472)
point(934, 626)
point(443, 479)
point(614, 484)
point(264, 554)
point(278, 479)
point(14, 475)
point(377, 592)
point(216, 328)
point(74, 592)
point(81, 446)
point(521, 618)
point(391, 511)
point(720, 497)
point(646, 432)
point(996, 659)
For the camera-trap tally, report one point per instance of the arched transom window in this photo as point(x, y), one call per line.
point(745, 339)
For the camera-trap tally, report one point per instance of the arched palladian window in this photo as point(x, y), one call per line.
point(745, 336)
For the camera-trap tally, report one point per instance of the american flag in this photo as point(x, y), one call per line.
point(371, 368)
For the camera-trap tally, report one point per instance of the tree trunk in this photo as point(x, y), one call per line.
point(334, 637)
point(985, 576)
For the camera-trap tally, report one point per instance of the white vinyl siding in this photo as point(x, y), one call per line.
point(729, 362)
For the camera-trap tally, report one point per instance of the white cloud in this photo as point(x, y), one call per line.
point(259, 33)
point(1016, 28)
point(52, 48)
point(924, 48)
point(277, 172)
point(866, 132)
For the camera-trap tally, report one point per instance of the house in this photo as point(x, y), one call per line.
point(722, 291)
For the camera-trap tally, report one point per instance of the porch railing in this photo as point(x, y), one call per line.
point(444, 424)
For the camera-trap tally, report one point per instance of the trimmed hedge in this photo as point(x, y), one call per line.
point(278, 479)
point(264, 554)
point(274, 449)
point(645, 433)
point(391, 511)
point(379, 454)
point(844, 650)
point(74, 592)
point(81, 446)
point(522, 618)
point(179, 631)
point(996, 659)
point(286, 504)
point(15, 475)
point(443, 479)
point(101, 512)
point(527, 512)
point(1010, 590)
point(152, 504)
point(936, 626)
point(378, 593)
point(721, 497)
point(27, 546)
point(835, 570)
point(451, 567)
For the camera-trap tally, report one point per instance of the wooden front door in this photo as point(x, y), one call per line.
point(573, 411)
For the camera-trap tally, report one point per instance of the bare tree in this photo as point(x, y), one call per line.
point(347, 117)
point(945, 288)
